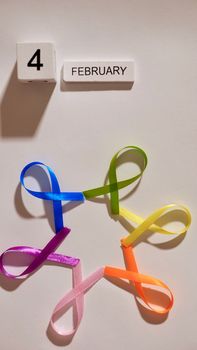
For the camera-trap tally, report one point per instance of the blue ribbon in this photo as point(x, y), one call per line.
point(56, 196)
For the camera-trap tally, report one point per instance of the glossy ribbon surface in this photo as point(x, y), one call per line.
point(138, 280)
point(149, 222)
point(114, 185)
point(56, 196)
point(75, 297)
point(40, 255)
point(131, 273)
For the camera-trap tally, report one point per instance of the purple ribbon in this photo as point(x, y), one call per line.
point(41, 255)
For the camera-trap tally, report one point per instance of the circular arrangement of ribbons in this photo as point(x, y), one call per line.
point(130, 272)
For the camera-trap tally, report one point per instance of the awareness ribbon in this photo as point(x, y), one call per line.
point(40, 255)
point(56, 196)
point(47, 253)
point(114, 185)
point(131, 274)
point(149, 223)
point(76, 295)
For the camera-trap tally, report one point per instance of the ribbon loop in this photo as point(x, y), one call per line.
point(149, 222)
point(114, 186)
point(133, 276)
point(75, 297)
point(40, 256)
point(56, 196)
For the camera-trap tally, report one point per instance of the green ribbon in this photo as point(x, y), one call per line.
point(114, 186)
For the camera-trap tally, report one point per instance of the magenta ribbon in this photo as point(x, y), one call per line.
point(40, 255)
point(76, 296)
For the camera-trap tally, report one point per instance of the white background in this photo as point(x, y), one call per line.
point(77, 132)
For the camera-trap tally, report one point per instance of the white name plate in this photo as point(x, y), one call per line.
point(98, 71)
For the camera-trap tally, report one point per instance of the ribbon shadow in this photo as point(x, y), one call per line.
point(155, 297)
point(167, 218)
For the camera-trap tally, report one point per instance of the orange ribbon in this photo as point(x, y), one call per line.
point(138, 280)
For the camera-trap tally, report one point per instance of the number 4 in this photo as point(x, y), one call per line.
point(37, 58)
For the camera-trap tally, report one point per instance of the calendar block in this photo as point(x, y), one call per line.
point(36, 62)
point(99, 71)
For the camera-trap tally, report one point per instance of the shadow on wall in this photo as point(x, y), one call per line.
point(22, 106)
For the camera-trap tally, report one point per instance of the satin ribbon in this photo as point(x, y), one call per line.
point(40, 255)
point(131, 272)
point(138, 280)
point(149, 223)
point(114, 185)
point(75, 297)
point(47, 253)
point(56, 196)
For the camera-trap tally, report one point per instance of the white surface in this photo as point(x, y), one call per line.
point(102, 71)
point(46, 72)
point(77, 132)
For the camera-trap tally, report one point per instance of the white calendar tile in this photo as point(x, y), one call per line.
point(36, 62)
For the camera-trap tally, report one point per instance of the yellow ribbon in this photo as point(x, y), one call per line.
point(131, 272)
point(149, 223)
